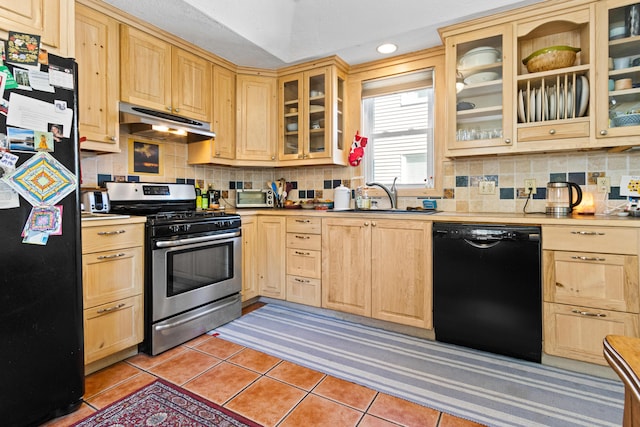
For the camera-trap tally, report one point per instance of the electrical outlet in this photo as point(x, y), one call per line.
point(487, 187)
point(603, 184)
point(530, 186)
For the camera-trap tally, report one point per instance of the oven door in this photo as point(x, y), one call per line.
point(190, 272)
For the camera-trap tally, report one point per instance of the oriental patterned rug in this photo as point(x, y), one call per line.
point(164, 404)
point(490, 389)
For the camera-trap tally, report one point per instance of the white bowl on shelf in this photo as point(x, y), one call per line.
point(479, 56)
point(292, 127)
point(485, 76)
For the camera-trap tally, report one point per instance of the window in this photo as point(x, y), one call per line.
point(398, 122)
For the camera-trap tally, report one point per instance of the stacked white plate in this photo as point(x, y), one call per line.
point(554, 103)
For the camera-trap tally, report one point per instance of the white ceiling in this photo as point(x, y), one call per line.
point(276, 33)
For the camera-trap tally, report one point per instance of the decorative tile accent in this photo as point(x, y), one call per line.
point(592, 177)
point(506, 193)
point(541, 193)
point(133, 178)
point(310, 194)
point(557, 177)
point(336, 183)
point(294, 185)
point(247, 185)
point(577, 177)
point(327, 184)
point(190, 181)
point(119, 178)
point(493, 178)
point(102, 178)
point(232, 185)
point(319, 194)
point(462, 181)
point(302, 194)
point(239, 185)
point(180, 180)
point(449, 193)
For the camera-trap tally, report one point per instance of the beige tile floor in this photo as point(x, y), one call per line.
point(263, 388)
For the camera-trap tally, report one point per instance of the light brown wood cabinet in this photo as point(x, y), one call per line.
point(311, 105)
point(256, 133)
point(157, 75)
point(304, 260)
point(270, 256)
point(112, 284)
point(591, 288)
point(221, 149)
point(511, 110)
point(249, 261)
point(53, 20)
point(98, 57)
point(610, 14)
point(378, 268)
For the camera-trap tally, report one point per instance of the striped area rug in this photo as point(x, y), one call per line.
point(490, 389)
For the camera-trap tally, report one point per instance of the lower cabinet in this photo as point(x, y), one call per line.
point(270, 256)
point(112, 287)
point(378, 268)
point(591, 289)
point(304, 260)
point(249, 264)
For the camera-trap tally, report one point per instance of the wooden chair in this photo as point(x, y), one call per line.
point(623, 354)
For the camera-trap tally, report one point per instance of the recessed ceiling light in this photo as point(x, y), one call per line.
point(387, 48)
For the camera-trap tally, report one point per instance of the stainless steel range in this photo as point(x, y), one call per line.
point(193, 262)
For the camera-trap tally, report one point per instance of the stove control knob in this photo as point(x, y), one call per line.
point(174, 228)
point(186, 227)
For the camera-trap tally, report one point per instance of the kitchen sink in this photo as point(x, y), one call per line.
point(389, 211)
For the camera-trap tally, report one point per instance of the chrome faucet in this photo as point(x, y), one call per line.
point(392, 193)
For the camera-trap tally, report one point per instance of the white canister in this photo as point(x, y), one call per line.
point(342, 197)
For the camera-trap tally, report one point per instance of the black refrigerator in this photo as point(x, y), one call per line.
point(41, 333)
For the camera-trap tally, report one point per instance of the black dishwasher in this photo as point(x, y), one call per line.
point(487, 290)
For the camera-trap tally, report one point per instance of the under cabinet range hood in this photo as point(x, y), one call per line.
point(153, 124)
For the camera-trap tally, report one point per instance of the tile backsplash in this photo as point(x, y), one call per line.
point(461, 177)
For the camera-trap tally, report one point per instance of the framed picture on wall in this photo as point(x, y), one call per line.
point(145, 158)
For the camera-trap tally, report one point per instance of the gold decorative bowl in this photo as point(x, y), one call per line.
point(551, 58)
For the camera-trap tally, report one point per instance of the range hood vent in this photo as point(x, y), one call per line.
point(147, 123)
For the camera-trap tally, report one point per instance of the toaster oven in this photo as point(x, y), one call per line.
point(255, 198)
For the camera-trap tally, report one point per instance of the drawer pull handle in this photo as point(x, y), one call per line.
point(588, 258)
point(111, 233)
point(303, 253)
point(304, 221)
point(588, 313)
point(116, 307)
point(588, 233)
point(121, 254)
point(302, 237)
point(300, 280)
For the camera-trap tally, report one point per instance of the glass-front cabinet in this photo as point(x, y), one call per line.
point(478, 77)
point(311, 114)
point(618, 90)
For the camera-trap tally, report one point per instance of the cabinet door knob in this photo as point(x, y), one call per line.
point(177, 110)
point(507, 141)
point(366, 223)
point(603, 132)
point(552, 131)
point(373, 223)
point(111, 138)
point(168, 108)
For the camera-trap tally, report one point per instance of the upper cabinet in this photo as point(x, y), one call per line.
point(97, 53)
point(157, 75)
point(479, 83)
point(256, 133)
point(50, 19)
point(618, 71)
point(549, 77)
point(311, 105)
point(553, 86)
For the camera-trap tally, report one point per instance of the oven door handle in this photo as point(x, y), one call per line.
point(192, 317)
point(182, 242)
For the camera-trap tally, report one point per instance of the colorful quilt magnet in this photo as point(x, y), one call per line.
point(42, 180)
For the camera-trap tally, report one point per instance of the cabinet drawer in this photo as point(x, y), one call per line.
point(110, 237)
point(577, 332)
point(305, 263)
point(112, 327)
point(591, 279)
point(304, 290)
point(304, 225)
point(110, 276)
point(616, 240)
point(304, 241)
point(547, 132)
